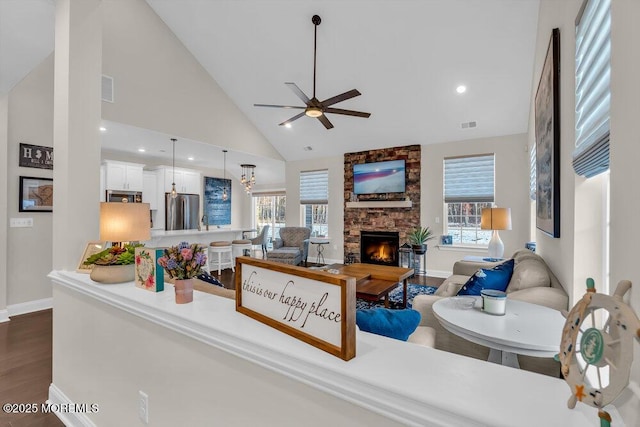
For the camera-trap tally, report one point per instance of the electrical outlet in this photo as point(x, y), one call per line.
point(21, 222)
point(143, 406)
point(437, 220)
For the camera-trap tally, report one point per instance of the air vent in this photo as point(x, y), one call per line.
point(308, 148)
point(107, 88)
point(467, 125)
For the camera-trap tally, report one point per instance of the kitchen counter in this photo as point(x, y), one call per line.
point(162, 238)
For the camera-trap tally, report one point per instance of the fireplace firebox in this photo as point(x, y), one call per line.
point(379, 247)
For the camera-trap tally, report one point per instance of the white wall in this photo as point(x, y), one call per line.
point(4, 220)
point(160, 86)
point(30, 120)
point(335, 166)
point(511, 191)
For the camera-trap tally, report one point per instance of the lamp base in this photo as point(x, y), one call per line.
point(496, 247)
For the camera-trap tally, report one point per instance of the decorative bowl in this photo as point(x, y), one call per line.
point(464, 302)
point(113, 273)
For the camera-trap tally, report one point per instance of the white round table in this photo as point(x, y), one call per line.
point(527, 329)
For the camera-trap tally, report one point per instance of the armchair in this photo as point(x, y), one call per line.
point(292, 247)
point(262, 239)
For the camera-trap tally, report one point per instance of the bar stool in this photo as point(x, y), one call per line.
point(242, 246)
point(221, 248)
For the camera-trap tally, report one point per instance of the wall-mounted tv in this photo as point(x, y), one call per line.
point(379, 177)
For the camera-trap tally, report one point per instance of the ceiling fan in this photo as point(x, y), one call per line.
point(314, 107)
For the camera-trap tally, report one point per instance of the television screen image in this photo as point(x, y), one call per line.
point(379, 177)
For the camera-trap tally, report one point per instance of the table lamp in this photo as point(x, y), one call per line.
point(121, 223)
point(496, 219)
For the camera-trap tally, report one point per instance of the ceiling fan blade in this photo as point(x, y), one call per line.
point(342, 97)
point(298, 92)
point(279, 106)
point(296, 117)
point(323, 119)
point(347, 112)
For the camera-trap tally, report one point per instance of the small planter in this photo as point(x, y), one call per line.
point(419, 249)
point(184, 291)
point(112, 273)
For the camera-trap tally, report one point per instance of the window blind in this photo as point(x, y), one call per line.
point(314, 187)
point(532, 172)
point(593, 93)
point(469, 179)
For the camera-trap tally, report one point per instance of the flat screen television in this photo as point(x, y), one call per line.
point(379, 177)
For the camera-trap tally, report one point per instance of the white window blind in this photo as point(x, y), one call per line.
point(314, 187)
point(593, 93)
point(469, 179)
point(532, 172)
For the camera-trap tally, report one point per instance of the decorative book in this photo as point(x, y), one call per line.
point(149, 274)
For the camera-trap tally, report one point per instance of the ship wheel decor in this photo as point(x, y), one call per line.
point(595, 362)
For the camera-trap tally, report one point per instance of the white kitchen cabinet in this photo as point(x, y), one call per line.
point(124, 176)
point(187, 180)
point(150, 189)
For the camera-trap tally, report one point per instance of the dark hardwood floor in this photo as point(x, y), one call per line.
point(25, 368)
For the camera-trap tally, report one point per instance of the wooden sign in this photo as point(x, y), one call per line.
point(313, 306)
point(35, 156)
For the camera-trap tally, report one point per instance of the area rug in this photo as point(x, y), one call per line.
point(395, 297)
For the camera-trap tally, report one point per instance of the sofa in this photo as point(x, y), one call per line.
point(532, 281)
point(292, 247)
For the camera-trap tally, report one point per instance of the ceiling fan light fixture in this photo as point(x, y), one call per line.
point(313, 112)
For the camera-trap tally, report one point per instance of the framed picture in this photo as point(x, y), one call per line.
point(36, 194)
point(216, 208)
point(91, 249)
point(547, 125)
point(35, 156)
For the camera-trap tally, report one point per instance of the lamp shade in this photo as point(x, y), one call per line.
point(496, 219)
point(124, 222)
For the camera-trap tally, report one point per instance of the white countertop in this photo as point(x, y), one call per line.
point(409, 383)
point(212, 230)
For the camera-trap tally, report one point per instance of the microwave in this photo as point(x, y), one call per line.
point(124, 196)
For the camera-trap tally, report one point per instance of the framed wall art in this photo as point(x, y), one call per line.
point(547, 127)
point(92, 248)
point(35, 156)
point(35, 194)
point(216, 208)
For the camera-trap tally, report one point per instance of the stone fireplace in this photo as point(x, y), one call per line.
point(379, 247)
point(378, 212)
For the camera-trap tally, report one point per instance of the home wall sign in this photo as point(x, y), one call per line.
point(35, 156)
point(313, 306)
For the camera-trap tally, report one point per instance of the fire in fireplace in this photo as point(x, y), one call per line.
point(379, 247)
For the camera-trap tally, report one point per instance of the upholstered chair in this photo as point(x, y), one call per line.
point(262, 239)
point(292, 247)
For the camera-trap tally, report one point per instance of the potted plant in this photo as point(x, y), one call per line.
point(183, 263)
point(114, 264)
point(418, 239)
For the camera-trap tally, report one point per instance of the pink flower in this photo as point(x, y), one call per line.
point(138, 259)
point(163, 261)
point(149, 282)
point(186, 253)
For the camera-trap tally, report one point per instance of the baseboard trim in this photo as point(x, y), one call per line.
point(30, 306)
point(59, 400)
point(4, 315)
point(438, 273)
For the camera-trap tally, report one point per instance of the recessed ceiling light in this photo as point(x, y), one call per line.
point(142, 150)
point(189, 158)
point(103, 129)
point(461, 89)
point(287, 125)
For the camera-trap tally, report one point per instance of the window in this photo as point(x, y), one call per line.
point(468, 188)
point(269, 209)
point(593, 92)
point(314, 199)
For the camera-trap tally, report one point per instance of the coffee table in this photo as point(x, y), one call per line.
point(374, 282)
point(527, 329)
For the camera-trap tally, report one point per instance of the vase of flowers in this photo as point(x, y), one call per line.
point(183, 263)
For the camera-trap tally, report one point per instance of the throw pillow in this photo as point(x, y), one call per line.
point(398, 324)
point(206, 277)
point(496, 278)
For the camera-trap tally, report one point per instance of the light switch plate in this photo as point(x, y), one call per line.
point(21, 222)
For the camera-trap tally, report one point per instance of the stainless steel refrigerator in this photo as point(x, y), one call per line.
point(181, 213)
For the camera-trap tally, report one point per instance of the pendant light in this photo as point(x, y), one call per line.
point(248, 178)
point(225, 196)
point(174, 193)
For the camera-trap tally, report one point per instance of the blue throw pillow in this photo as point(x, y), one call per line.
point(204, 276)
point(398, 324)
point(496, 278)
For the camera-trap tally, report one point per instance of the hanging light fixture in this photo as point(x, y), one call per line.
point(225, 196)
point(248, 177)
point(174, 193)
